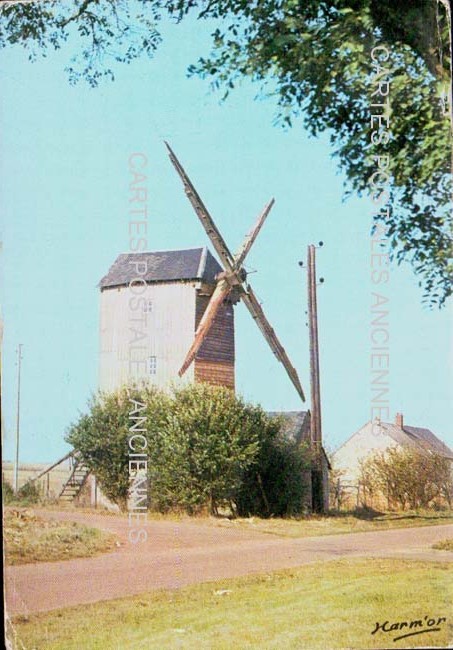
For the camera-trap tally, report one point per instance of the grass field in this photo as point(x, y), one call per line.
point(29, 538)
point(329, 606)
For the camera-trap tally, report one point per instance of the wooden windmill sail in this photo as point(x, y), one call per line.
point(233, 278)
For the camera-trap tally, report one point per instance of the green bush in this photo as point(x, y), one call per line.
point(7, 492)
point(102, 435)
point(408, 477)
point(276, 483)
point(206, 450)
point(29, 493)
point(210, 439)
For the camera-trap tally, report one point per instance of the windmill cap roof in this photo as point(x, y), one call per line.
point(162, 266)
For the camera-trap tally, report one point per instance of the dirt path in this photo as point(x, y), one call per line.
point(179, 553)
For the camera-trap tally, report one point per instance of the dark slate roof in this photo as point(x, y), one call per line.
point(417, 437)
point(296, 424)
point(296, 427)
point(164, 266)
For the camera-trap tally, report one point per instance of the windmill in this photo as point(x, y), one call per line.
point(232, 281)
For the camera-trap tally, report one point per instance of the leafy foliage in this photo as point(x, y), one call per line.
point(408, 477)
point(317, 61)
point(108, 30)
point(102, 435)
point(275, 484)
point(7, 492)
point(210, 439)
point(29, 493)
point(205, 448)
point(314, 57)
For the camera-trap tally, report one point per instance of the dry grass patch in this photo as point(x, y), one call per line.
point(444, 545)
point(336, 524)
point(29, 538)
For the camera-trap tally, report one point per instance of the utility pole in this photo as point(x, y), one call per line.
point(316, 427)
point(16, 465)
point(315, 390)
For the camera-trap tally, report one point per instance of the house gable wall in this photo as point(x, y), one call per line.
point(368, 439)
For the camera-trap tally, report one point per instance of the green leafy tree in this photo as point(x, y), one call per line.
point(407, 477)
point(314, 58)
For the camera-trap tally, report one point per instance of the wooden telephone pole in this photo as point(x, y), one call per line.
point(316, 428)
point(315, 422)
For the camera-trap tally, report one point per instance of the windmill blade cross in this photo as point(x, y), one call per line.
point(211, 229)
point(252, 235)
point(254, 307)
point(233, 276)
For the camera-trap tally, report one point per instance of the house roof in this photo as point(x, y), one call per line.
point(296, 427)
point(163, 266)
point(296, 424)
point(417, 437)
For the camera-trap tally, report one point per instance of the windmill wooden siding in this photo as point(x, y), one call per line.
point(178, 287)
point(214, 363)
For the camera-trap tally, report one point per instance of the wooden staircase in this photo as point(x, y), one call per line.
point(77, 479)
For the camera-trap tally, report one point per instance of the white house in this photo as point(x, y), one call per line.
point(378, 436)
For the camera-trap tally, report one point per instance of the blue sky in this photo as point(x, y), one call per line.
point(64, 201)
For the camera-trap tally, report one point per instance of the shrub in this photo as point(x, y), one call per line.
point(275, 484)
point(29, 493)
point(7, 492)
point(210, 439)
point(102, 435)
point(206, 449)
point(407, 477)
point(26, 495)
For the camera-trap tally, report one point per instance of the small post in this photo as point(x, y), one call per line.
point(94, 491)
point(16, 464)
